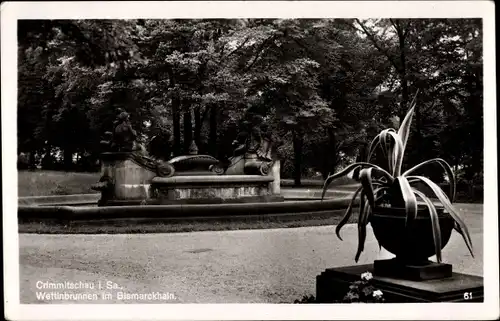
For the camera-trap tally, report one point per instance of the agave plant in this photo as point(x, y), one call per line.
point(377, 182)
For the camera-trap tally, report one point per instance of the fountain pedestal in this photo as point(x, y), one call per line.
point(129, 178)
point(126, 178)
point(214, 189)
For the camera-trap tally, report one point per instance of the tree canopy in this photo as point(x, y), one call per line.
point(324, 86)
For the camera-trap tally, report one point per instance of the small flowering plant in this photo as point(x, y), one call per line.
point(367, 276)
point(362, 291)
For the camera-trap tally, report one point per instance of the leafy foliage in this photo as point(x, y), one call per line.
point(324, 86)
point(360, 291)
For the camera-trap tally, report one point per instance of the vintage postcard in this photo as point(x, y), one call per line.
point(225, 160)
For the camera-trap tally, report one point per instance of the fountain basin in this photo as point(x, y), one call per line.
point(289, 194)
point(64, 212)
point(81, 214)
point(133, 179)
point(213, 189)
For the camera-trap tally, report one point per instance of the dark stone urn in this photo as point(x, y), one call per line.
point(411, 245)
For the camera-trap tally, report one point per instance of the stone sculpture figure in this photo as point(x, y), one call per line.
point(260, 140)
point(124, 136)
point(107, 141)
point(240, 144)
point(253, 149)
point(193, 149)
point(121, 144)
point(160, 146)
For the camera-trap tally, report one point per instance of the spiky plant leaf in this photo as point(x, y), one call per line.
point(449, 207)
point(347, 214)
point(363, 203)
point(389, 147)
point(362, 200)
point(457, 228)
point(436, 229)
point(409, 199)
point(372, 147)
point(404, 129)
point(365, 177)
point(347, 170)
point(379, 192)
point(362, 229)
point(447, 169)
point(384, 142)
point(378, 196)
point(343, 172)
point(414, 99)
point(397, 151)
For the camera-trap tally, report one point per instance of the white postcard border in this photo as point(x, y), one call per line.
point(11, 12)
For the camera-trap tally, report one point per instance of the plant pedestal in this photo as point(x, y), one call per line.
point(428, 271)
point(333, 284)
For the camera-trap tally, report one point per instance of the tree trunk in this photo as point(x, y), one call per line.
point(212, 141)
point(176, 117)
point(32, 160)
point(197, 126)
point(297, 150)
point(457, 161)
point(332, 151)
point(476, 132)
point(177, 126)
point(362, 153)
point(402, 72)
point(418, 136)
point(188, 131)
point(68, 158)
point(326, 161)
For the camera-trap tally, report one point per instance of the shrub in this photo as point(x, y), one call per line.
point(360, 291)
point(23, 161)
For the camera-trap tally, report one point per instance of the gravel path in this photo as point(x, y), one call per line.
point(249, 266)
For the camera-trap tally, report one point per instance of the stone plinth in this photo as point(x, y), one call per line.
point(129, 180)
point(333, 284)
point(427, 271)
point(194, 165)
point(276, 174)
point(214, 189)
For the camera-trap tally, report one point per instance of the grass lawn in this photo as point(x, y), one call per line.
point(43, 183)
point(473, 215)
point(145, 225)
point(38, 183)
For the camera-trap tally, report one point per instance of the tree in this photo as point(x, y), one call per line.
point(442, 59)
point(324, 86)
point(66, 53)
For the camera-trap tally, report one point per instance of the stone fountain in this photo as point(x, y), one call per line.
point(129, 176)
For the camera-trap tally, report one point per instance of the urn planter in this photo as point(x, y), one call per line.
point(403, 209)
point(412, 245)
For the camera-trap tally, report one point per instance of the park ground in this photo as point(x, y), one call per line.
point(57, 183)
point(233, 265)
point(37, 183)
point(43, 182)
point(247, 266)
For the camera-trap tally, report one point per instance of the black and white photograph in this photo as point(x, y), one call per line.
point(249, 160)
